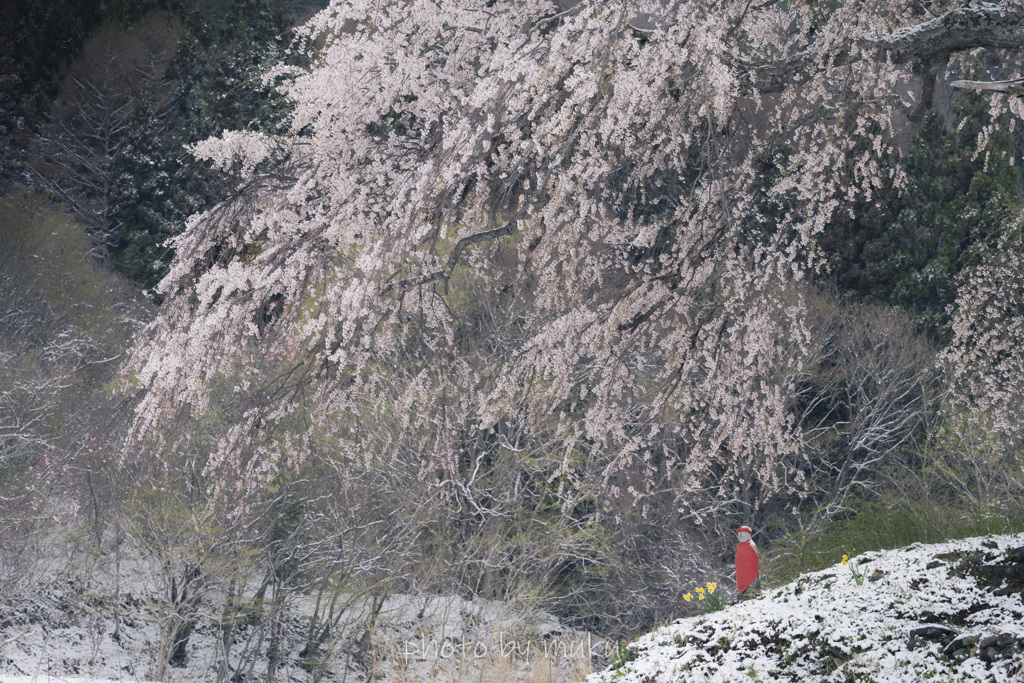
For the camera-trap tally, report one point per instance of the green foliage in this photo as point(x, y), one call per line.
point(45, 260)
point(905, 514)
point(11, 114)
point(210, 85)
point(905, 247)
point(144, 198)
point(714, 602)
point(46, 35)
point(622, 656)
point(855, 573)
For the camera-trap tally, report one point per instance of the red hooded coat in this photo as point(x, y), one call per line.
point(746, 566)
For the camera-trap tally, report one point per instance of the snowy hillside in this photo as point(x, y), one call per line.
point(947, 612)
point(59, 627)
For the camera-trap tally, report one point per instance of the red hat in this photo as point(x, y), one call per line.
point(745, 528)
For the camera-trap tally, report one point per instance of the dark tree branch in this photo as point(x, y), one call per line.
point(453, 260)
point(1013, 87)
point(928, 44)
point(988, 25)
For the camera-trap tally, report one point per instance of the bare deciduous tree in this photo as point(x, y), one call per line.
point(88, 124)
point(873, 390)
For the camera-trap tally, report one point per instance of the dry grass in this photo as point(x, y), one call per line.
point(496, 660)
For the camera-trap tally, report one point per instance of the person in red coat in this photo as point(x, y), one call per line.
point(747, 568)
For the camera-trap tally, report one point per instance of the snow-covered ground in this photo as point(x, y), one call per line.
point(424, 638)
point(46, 678)
point(452, 639)
point(58, 627)
point(946, 612)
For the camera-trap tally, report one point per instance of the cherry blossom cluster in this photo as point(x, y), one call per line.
point(659, 170)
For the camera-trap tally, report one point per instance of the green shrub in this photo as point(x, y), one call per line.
point(885, 522)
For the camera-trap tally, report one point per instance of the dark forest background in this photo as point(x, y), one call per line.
point(100, 98)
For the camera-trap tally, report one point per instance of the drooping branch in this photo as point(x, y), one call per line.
point(654, 312)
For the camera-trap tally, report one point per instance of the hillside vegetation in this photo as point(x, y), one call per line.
point(532, 302)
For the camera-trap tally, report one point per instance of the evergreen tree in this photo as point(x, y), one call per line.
point(47, 35)
point(214, 77)
point(211, 84)
point(905, 246)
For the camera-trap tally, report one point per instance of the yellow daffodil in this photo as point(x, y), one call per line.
point(845, 558)
point(700, 590)
point(688, 597)
point(711, 588)
point(700, 596)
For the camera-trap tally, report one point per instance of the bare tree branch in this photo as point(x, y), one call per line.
point(1014, 87)
point(453, 260)
point(983, 25)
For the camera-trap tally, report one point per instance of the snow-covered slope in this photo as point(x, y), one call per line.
point(58, 626)
point(946, 612)
point(46, 678)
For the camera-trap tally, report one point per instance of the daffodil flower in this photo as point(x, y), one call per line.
point(688, 597)
point(845, 558)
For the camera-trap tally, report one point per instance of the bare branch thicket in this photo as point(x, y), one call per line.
point(64, 327)
point(868, 401)
point(118, 76)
